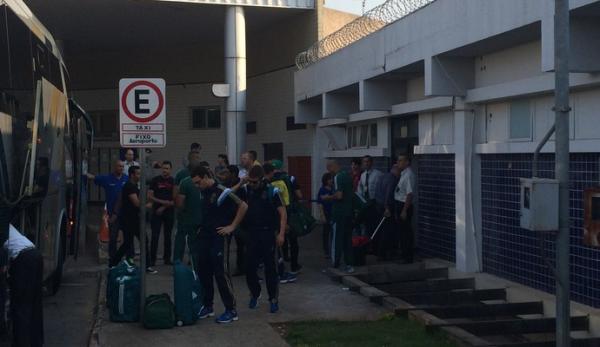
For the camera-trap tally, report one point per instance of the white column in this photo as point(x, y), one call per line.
point(235, 76)
point(468, 191)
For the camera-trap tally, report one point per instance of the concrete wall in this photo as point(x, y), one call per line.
point(333, 20)
point(509, 64)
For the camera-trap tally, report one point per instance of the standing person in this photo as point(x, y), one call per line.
point(222, 163)
point(384, 197)
point(405, 197)
point(26, 267)
point(112, 185)
point(194, 147)
point(265, 223)
point(246, 164)
point(189, 219)
point(160, 193)
point(223, 211)
point(284, 195)
point(341, 216)
point(254, 158)
point(291, 248)
point(129, 218)
point(129, 160)
point(366, 189)
point(355, 171)
point(325, 205)
point(184, 218)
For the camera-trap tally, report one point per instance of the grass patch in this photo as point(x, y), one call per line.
point(389, 331)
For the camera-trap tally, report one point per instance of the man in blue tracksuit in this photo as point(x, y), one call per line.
point(222, 213)
point(265, 224)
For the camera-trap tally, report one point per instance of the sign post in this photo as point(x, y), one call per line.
point(142, 124)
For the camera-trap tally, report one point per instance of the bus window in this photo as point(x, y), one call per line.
point(4, 68)
point(19, 38)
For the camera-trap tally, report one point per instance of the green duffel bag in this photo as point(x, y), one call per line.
point(301, 221)
point(159, 312)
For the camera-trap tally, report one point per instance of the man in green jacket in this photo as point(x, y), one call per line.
point(188, 202)
point(341, 215)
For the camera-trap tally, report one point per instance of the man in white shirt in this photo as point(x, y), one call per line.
point(129, 160)
point(25, 280)
point(367, 186)
point(405, 198)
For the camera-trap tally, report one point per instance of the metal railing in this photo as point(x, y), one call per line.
point(371, 21)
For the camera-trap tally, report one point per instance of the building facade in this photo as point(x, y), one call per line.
point(466, 87)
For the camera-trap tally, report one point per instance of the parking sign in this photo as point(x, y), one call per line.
point(142, 112)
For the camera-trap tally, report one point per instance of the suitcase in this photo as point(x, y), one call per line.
point(159, 312)
point(123, 268)
point(124, 303)
point(188, 294)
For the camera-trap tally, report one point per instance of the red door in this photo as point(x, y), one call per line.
point(300, 167)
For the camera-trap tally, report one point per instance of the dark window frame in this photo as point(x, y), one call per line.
point(292, 125)
point(206, 121)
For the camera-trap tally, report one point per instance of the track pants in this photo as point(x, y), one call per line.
point(26, 272)
point(186, 234)
point(166, 219)
point(342, 241)
point(211, 264)
point(261, 249)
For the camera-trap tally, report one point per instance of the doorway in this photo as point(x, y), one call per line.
point(272, 151)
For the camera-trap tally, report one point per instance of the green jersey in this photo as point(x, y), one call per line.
point(191, 213)
point(181, 174)
point(342, 209)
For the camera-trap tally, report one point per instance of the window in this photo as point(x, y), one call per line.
point(291, 124)
point(206, 117)
point(105, 124)
point(361, 136)
point(250, 127)
point(520, 120)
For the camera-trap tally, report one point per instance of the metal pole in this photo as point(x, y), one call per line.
point(562, 109)
point(143, 249)
point(235, 76)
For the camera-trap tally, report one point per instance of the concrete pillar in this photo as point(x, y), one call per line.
point(235, 76)
point(468, 191)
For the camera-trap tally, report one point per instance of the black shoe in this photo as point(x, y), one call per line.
point(296, 270)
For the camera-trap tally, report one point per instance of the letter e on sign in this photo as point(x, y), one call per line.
point(142, 112)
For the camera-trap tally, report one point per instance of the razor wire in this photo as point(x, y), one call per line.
point(373, 20)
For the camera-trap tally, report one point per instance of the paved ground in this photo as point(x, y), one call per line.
point(313, 297)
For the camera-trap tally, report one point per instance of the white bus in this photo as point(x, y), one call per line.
point(45, 139)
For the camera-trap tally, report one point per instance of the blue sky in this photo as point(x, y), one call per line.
point(354, 6)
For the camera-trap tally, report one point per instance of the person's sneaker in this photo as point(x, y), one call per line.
point(150, 270)
point(228, 317)
point(206, 312)
point(349, 269)
point(274, 307)
point(296, 270)
point(287, 278)
point(253, 302)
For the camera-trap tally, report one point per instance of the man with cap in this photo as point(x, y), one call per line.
point(265, 224)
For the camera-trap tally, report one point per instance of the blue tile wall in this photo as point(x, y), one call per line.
point(515, 253)
point(436, 234)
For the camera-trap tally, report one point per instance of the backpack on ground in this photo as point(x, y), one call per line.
point(159, 312)
point(123, 268)
point(124, 304)
point(188, 294)
point(301, 221)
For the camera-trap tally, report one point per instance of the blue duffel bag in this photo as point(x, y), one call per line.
point(124, 298)
point(188, 294)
